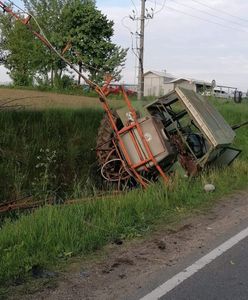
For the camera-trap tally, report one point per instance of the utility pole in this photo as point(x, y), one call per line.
point(141, 51)
point(145, 15)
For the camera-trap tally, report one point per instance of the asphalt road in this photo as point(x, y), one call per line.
point(223, 279)
point(220, 274)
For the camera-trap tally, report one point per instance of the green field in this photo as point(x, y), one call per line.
point(51, 235)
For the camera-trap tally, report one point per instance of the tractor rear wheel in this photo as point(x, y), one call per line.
point(112, 168)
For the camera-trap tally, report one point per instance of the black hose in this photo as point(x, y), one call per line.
point(235, 127)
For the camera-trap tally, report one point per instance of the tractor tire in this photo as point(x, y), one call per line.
point(104, 138)
point(107, 156)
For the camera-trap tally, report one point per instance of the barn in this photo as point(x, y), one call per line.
point(160, 83)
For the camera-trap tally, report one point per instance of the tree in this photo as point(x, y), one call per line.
point(47, 14)
point(78, 22)
point(90, 33)
point(20, 53)
point(3, 54)
point(23, 55)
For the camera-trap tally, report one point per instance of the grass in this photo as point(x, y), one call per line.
point(71, 90)
point(51, 235)
point(38, 100)
point(236, 114)
point(46, 151)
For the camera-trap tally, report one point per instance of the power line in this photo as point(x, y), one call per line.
point(132, 35)
point(135, 7)
point(219, 10)
point(206, 20)
point(162, 7)
point(202, 19)
point(134, 43)
point(12, 3)
point(155, 5)
point(207, 13)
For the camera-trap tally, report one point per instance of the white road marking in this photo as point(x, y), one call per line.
point(169, 285)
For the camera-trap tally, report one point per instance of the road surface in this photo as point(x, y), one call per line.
point(220, 274)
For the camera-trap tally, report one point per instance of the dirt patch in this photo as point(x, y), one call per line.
point(45, 100)
point(127, 267)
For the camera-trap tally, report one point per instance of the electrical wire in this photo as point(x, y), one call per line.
point(12, 3)
point(162, 7)
point(135, 7)
point(207, 13)
point(155, 5)
point(206, 20)
point(203, 19)
point(147, 21)
point(131, 34)
point(135, 48)
point(219, 10)
point(124, 25)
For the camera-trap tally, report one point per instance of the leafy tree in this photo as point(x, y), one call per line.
point(78, 22)
point(3, 54)
point(90, 33)
point(20, 53)
point(47, 20)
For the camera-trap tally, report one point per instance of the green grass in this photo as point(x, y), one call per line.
point(237, 114)
point(51, 235)
point(66, 135)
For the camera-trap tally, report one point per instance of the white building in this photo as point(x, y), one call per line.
point(160, 83)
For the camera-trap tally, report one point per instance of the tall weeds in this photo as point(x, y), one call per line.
point(46, 152)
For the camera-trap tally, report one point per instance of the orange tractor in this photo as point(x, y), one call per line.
point(179, 130)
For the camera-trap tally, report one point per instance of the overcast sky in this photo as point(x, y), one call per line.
point(179, 41)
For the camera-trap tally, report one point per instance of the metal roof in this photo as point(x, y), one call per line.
point(161, 74)
point(176, 79)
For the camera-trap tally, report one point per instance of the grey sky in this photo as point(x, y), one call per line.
point(184, 45)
